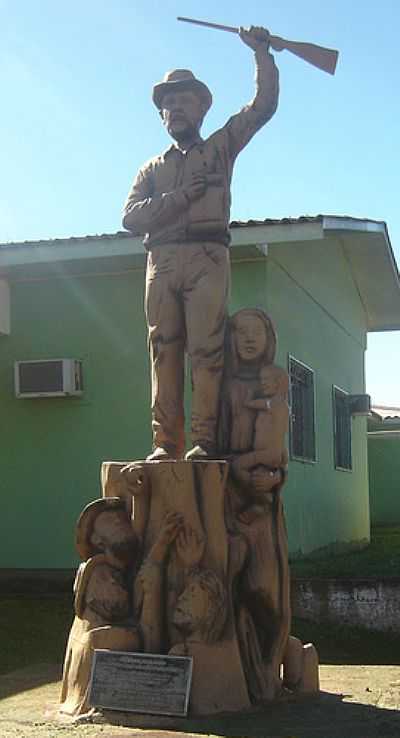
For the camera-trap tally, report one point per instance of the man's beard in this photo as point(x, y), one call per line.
point(190, 131)
point(124, 550)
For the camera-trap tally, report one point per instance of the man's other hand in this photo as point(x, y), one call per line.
point(195, 187)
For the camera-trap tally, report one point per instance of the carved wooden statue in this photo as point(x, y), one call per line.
point(181, 201)
point(189, 556)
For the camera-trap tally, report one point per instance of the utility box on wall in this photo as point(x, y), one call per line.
point(4, 308)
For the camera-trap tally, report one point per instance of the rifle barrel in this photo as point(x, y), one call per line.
point(230, 29)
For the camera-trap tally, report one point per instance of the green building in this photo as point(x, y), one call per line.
point(82, 299)
point(384, 465)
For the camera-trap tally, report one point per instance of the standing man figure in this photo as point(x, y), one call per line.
point(181, 201)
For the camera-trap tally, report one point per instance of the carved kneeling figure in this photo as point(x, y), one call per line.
point(105, 614)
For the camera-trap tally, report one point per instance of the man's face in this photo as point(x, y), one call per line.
point(113, 530)
point(182, 113)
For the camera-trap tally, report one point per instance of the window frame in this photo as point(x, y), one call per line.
point(336, 390)
point(294, 456)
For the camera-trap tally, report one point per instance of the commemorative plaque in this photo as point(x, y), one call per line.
point(138, 682)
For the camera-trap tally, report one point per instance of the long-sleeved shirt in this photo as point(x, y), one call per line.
point(157, 206)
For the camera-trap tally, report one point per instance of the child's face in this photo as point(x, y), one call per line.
point(192, 606)
point(269, 382)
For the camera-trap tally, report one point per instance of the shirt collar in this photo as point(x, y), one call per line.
point(175, 147)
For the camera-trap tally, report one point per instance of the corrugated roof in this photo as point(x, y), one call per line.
point(276, 221)
point(365, 243)
point(386, 412)
point(234, 224)
point(300, 219)
point(125, 234)
point(67, 239)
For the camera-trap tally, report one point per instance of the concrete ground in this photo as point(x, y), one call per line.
point(355, 702)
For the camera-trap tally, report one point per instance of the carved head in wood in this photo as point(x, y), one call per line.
point(273, 380)
point(182, 101)
point(251, 341)
point(201, 610)
point(104, 526)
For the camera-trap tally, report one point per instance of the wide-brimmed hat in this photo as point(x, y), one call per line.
point(86, 520)
point(181, 79)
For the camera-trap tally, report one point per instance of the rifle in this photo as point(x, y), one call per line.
point(318, 56)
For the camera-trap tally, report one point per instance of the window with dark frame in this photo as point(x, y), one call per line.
point(342, 429)
point(302, 419)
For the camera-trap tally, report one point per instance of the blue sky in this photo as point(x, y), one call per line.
point(77, 119)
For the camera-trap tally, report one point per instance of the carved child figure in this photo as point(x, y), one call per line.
point(201, 610)
point(200, 618)
point(271, 424)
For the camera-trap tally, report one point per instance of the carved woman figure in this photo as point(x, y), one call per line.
point(259, 575)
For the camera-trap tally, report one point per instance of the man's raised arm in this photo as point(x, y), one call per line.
point(253, 116)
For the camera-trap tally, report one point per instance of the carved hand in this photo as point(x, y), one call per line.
point(255, 37)
point(195, 187)
point(248, 516)
point(135, 478)
point(189, 547)
point(265, 481)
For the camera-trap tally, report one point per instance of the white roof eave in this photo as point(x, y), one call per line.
point(374, 269)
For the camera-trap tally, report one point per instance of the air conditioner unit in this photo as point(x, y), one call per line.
point(48, 378)
point(360, 404)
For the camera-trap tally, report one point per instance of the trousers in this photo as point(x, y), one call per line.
point(187, 291)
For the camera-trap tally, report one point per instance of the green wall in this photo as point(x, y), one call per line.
point(52, 448)
point(384, 476)
point(324, 506)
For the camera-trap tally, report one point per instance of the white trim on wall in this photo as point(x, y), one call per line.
point(4, 308)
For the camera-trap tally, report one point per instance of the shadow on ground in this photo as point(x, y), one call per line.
point(29, 678)
point(327, 716)
point(360, 712)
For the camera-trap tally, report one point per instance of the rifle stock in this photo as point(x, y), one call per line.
point(318, 56)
